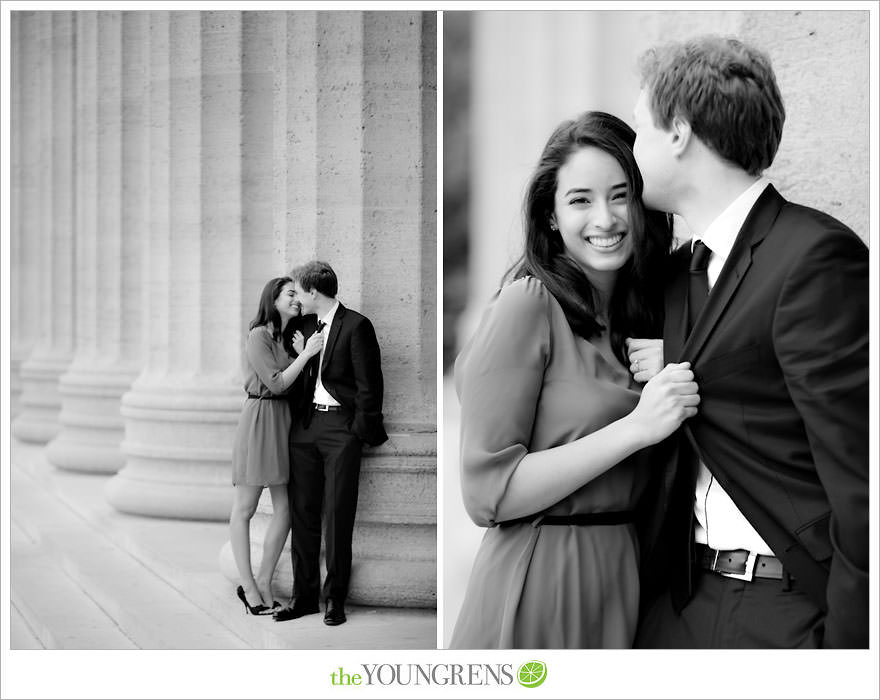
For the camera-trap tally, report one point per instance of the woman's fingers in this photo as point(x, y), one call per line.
point(633, 344)
point(690, 400)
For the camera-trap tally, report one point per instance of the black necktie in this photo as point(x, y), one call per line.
point(698, 284)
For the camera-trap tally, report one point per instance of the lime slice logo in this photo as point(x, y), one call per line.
point(532, 673)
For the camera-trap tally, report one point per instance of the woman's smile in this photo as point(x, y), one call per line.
point(607, 241)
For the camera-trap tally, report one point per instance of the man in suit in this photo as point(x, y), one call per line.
point(763, 518)
point(340, 410)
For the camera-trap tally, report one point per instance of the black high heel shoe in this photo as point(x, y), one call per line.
point(252, 609)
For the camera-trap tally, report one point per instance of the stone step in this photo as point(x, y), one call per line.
point(185, 556)
point(49, 611)
point(96, 581)
point(21, 636)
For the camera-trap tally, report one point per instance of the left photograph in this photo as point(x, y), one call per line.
point(223, 351)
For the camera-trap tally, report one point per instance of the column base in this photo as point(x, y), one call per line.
point(17, 357)
point(40, 402)
point(92, 428)
point(178, 449)
point(394, 548)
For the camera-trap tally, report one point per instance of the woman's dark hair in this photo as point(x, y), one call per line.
point(267, 313)
point(636, 304)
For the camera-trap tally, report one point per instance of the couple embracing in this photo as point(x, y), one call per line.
point(314, 399)
point(670, 448)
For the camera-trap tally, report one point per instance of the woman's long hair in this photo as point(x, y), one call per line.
point(636, 305)
point(268, 314)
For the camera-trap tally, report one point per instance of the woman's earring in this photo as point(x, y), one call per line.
point(553, 226)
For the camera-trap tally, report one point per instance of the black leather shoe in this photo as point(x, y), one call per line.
point(299, 608)
point(335, 614)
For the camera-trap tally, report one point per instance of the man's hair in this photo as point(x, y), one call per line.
point(727, 92)
point(316, 275)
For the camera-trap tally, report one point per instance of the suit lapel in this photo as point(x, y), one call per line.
point(330, 341)
point(753, 231)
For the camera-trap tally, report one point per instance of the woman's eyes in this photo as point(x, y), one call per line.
point(619, 197)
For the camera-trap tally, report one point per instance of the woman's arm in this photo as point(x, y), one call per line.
point(546, 477)
point(260, 355)
point(499, 378)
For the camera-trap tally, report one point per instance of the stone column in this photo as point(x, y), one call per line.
point(357, 96)
point(112, 213)
point(181, 412)
point(52, 305)
point(395, 534)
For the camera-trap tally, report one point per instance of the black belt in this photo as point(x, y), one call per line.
point(323, 407)
point(739, 563)
point(274, 397)
point(611, 518)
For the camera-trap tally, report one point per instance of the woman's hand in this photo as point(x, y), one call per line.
point(299, 342)
point(645, 356)
point(314, 344)
point(667, 400)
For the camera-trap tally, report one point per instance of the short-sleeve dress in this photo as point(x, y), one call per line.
point(261, 454)
point(527, 383)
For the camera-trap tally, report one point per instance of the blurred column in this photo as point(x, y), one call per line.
point(181, 412)
point(112, 213)
point(531, 70)
point(20, 340)
point(52, 297)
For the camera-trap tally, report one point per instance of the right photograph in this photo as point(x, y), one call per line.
point(655, 329)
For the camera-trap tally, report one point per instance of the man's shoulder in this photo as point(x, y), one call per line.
point(810, 225)
point(349, 314)
point(351, 318)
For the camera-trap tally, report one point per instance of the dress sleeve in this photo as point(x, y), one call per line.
point(498, 377)
point(260, 355)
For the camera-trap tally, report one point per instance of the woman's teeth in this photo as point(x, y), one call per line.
point(605, 241)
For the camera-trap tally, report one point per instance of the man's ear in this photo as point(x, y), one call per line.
point(681, 134)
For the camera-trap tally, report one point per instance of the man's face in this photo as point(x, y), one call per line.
point(652, 150)
point(306, 299)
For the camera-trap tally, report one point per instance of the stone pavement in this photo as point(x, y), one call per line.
point(84, 576)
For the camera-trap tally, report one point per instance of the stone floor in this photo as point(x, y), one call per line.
point(84, 576)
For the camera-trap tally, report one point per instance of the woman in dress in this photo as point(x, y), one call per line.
point(276, 354)
point(553, 424)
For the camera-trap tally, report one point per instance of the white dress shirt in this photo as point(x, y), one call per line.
point(719, 523)
point(323, 396)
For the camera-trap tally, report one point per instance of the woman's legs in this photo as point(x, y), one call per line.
point(244, 505)
point(276, 535)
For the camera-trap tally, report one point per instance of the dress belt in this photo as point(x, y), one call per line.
point(610, 518)
point(274, 397)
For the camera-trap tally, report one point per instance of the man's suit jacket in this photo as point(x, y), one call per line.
point(351, 371)
point(780, 354)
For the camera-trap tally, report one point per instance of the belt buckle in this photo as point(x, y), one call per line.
point(749, 573)
point(321, 407)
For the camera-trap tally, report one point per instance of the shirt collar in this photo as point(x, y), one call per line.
point(328, 317)
point(721, 234)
